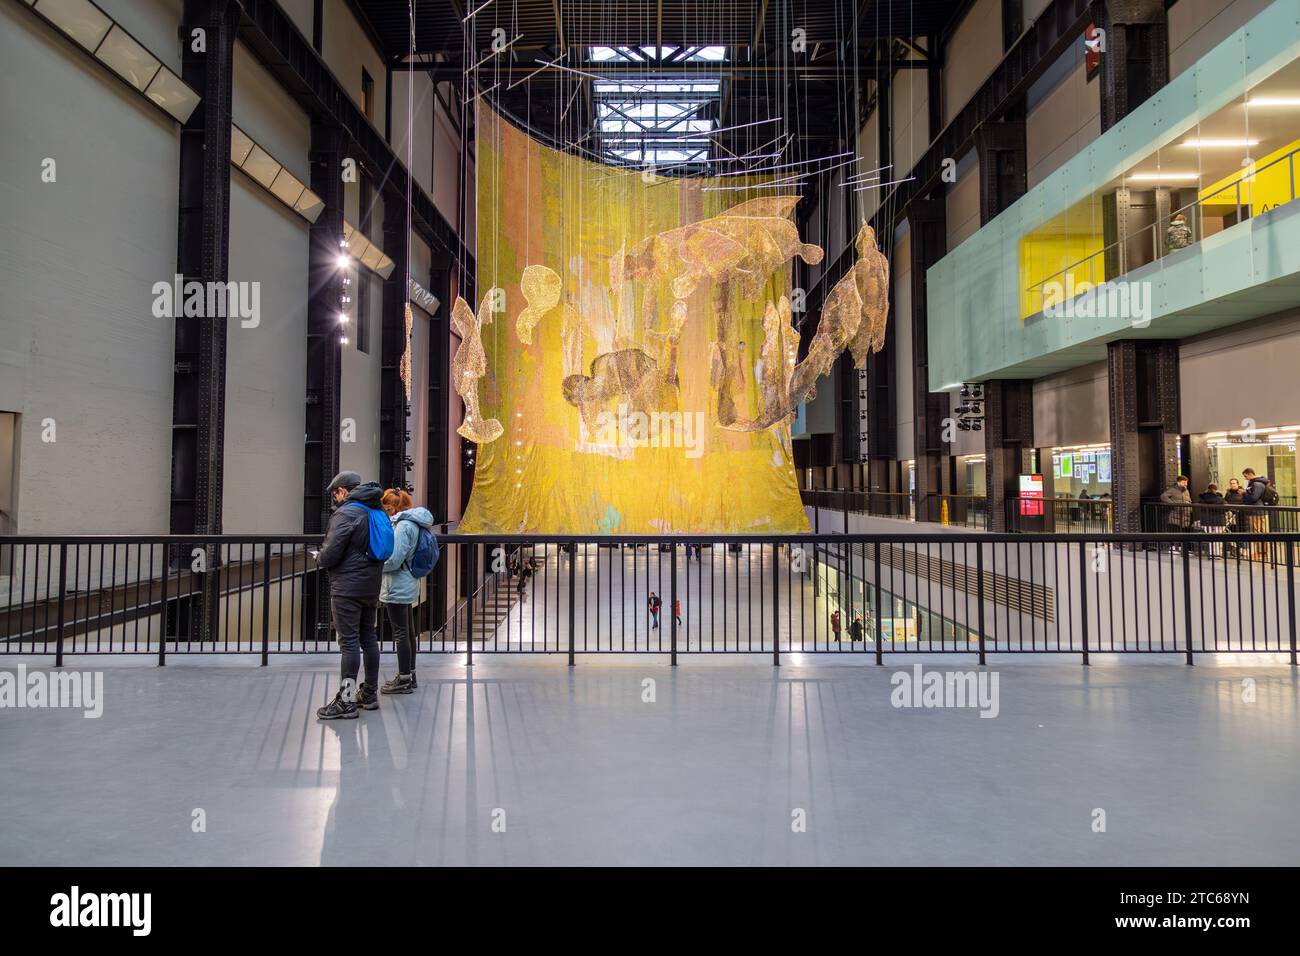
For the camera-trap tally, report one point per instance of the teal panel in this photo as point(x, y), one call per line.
point(976, 331)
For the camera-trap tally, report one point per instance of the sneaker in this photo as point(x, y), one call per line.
point(338, 709)
point(399, 685)
point(367, 699)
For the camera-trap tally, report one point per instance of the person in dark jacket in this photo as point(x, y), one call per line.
point(354, 582)
point(1210, 514)
point(1256, 518)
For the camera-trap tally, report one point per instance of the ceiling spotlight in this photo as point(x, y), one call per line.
point(343, 340)
point(344, 261)
point(343, 319)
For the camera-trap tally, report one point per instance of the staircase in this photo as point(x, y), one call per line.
point(491, 606)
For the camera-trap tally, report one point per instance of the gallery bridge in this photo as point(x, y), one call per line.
point(865, 595)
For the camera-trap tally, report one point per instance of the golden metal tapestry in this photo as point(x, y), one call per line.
point(630, 365)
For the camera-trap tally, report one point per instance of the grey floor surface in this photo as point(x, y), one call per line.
point(531, 762)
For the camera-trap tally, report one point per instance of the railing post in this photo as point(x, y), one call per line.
point(63, 588)
point(572, 548)
point(979, 593)
point(672, 607)
point(880, 620)
point(266, 603)
point(844, 505)
point(1083, 599)
point(1290, 592)
point(472, 577)
point(776, 599)
point(162, 629)
point(1187, 598)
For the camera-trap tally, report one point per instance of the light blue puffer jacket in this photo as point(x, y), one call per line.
point(399, 586)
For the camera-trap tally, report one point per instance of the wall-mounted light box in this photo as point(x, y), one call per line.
point(104, 39)
point(269, 173)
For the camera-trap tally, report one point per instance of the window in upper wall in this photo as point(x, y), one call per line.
point(367, 95)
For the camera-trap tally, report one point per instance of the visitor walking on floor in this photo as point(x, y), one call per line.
point(357, 543)
point(835, 625)
point(857, 628)
point(415, 552)
point(677, 610)
point(654, 604)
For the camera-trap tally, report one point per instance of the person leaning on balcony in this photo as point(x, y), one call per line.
point(1179, 519)
point(1178, 235)
point(354, 582)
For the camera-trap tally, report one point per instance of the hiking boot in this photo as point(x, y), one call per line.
point(338, 709)
point(367, 699)
point(399, 685)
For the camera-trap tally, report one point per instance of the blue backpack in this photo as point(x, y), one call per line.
point(425, 555)
point(381, 532)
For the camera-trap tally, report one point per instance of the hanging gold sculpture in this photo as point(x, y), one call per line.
point(468, 366)
point(853, 317)
point(541, 289)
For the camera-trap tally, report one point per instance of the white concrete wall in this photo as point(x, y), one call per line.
point(869, 151)
point(266, 367)
point(1247, 371)
point(1063, 115)
point(301, 13)
point(418, 155)
point(972, 52)
point(359, 395)
point(910, 103)
point(347, 50)
point(963, 201)
point(78, 259)
point(1072, 407)
point(1197, 26)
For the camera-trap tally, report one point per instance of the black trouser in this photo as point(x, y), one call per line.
point(354, 620)
point(399, 618)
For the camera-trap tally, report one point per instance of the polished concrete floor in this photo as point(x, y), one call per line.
point(531, 762)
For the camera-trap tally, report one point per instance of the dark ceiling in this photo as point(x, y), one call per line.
point(822, 89)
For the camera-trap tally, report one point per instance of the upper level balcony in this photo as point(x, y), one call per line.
point(1178, 220)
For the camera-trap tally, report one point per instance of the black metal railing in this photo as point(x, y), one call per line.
point(1161, 517)
point(950, 592)
point(1028, 515)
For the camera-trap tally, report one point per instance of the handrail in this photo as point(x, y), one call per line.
point(1199, 201)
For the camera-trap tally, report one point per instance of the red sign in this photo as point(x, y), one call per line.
point(1031, 495)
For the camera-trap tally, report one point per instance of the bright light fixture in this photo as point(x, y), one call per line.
point(1163, 177)
point(1273, 101)
point(345, 261)
point(104, 39)
point(1218, 143)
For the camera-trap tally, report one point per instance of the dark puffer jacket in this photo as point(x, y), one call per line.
point(346, 551)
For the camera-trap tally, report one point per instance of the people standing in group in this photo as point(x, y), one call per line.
point(353, 555)
point(415, 552)
point(654, 604)
point(835, 625)
point(1210, 514)
point(1178, 519)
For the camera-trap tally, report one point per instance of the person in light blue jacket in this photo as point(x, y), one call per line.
point(400, 590)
